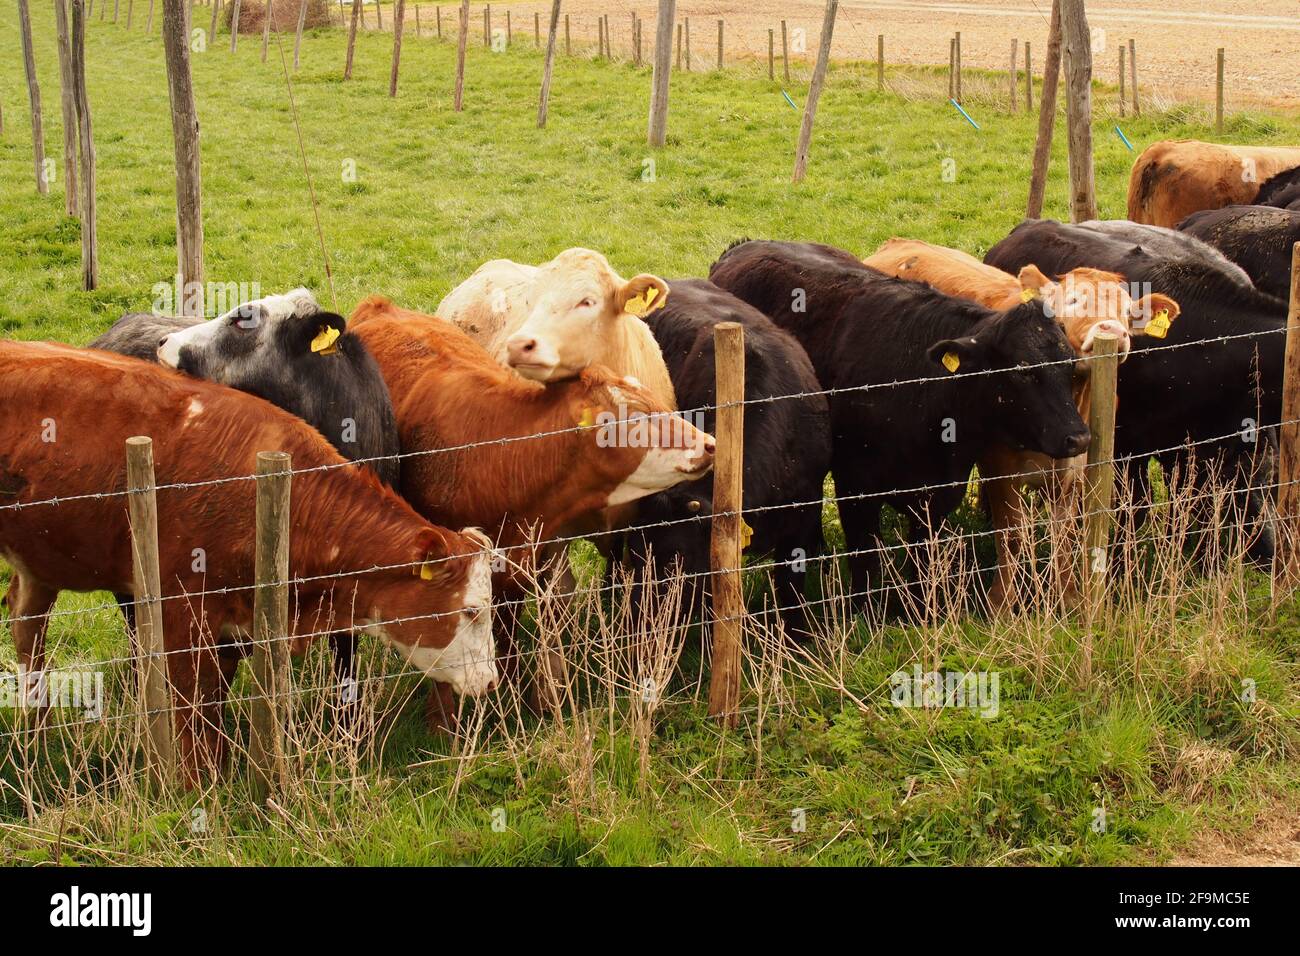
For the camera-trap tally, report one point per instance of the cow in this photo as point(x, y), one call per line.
point(1259, 239)
point(1171, 244)
point(551, 321)
point(1218, 395)
point(1085, 302)
point(359, 555)
point(787, 445)
point(287, 350)
point(1172, 179)
point(1282, 191)
point(923, 382)
point(450, 393)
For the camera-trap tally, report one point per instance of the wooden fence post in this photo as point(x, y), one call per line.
point(1013, 88)
point(297, 37)
point(1046, 115)
point(272, 674)
point(417, 21)
point(379, 15)
point(1122, 104)
point(686, 32)
point(952, 68)
point(142, 506)
point(438, 14)
point(116, 3)
point(1077, 44)
point(719, 44)
point(880, 62)
point(1029, 78)
point(725, 546)
point(1133, 74)
point(568, 46)
point(957, 61)
point(487, 25)
point(86, 153)
point(1099, 479)
point(130, 9)
point(658, 126)
point(34, 97)
point(771, 54)
point(212, 28)
point(148, 26)
point(537, 29)
point(267, 13)
point(399, 25)
point(462, 40)
point(543, 103)
point(815, 91)
point(1287, 554)
point(67, 101)
point(1218, 97)
point(678, 62)
point(509, 29)
point(785, 51)
point(185, 138)
point(234, 26)
point(352, 38)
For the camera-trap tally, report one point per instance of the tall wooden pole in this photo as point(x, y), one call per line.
point(297, 36)
point(352, 38)
point(461, 40)
point(658, 127)
point(1077, 46)
point(1122, 103)
point(266, 27)
point(67, 100)
point(234, 26)
point(34, 97)
point(399, 23)
point(185, 135)
point(1133, 74)
point(1287, 560)
point(86, 155)
point(272, 672)
point(725, 546)
point(815, 91)
point(1099, 479)
point(142, 507)
point(1218, 92)
point(1046, 114)
point(1013, 86)
point(880, 61)
point(544, 100)
point(1029, 77)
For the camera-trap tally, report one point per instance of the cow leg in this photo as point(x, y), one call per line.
point(440, 709)
point(796, 550)
point(199, 674)
point(1006, 514)
point(29, 599)
point(861, 522)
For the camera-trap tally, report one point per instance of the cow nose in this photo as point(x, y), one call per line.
point(709, 445)
point(163, 341)
point(522, 349)
point(1077, 444)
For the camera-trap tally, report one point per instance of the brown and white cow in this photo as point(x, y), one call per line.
point(359, 555)
point(448, 392)
point(1086, 302)
point(1174, 178)
point(551, 321)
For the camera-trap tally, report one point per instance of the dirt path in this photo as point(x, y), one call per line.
point(1274, 840)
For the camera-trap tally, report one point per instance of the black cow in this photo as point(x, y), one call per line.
point(1282, 190)
point(1168, 394)
point(787, 442)
point(970, 377)
point(287, 350)
point(1170, 244)
point(1257, 238)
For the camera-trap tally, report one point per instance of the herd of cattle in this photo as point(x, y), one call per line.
point(506, 415)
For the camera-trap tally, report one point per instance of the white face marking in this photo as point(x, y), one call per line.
point(169, 353)
point(661, 468)
point(539, 363)
point(271, 308)
point(468, 663)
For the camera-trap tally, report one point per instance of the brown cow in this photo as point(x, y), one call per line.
point(1174, 178)
point(425, 590)
point(1086, 302)
point(448, 391)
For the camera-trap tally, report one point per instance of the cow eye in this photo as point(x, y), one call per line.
point(471, 613)
point(587, 303)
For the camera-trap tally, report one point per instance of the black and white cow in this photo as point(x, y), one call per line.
point(1221, 395)
point(913, 419)
point(287, 350)
point(1257, 238)
point(787, 444)
point(1282, 190)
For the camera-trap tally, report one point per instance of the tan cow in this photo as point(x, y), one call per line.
point(549, 322)
point(1086, 302)
point(1177, 177)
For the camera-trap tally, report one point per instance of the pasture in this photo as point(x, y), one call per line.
point(412, 198)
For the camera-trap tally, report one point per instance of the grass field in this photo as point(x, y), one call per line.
point(1158, 737)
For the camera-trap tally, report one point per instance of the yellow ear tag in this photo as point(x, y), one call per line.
point(951, 362)
point(588, 417)
point(746, 534)
point(1027, 294)
point(1158, 327)
point(643, 305)
point(424, 572)
point(324, 340)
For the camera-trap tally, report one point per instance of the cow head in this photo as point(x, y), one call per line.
point(256, 340)
point(631, 443)
point(437, 613)
point(578, 303)
point(1032, 370)
point(1087, 302)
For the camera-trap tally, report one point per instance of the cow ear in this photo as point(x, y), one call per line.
point(433, 560)
point(1032, 282)
point(319, 333)
point(956, 355)
point(1154, 313)
point(642, 294)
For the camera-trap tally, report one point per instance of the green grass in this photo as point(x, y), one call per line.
point(436, 193)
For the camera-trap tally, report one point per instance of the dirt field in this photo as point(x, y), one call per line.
point(1176, 47)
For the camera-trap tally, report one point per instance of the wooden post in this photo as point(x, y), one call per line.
point(815, 91)
point(185, 136)
point(1029, 78)
point(509, 29)
point(637, 39)
point(67, 101)
point(462, 40)
point(272, 673)
point(880, 61)
point(438, 13)
point(115, 6)
point(600, 36)
point(1218, 95)
point(1046, 114)
point(86, 155)
point(568, 46)
point(1287, 560)
point(487, 25)
point(1099, 482)
point(1077, 46)
point(719, 44)
point(678, 64)
point(658, 126)
point(234, 26)
point(537, 29)
point(34, 97)
point(266, 27)
point(302, 21)
point(686, 32)
point(130, 9)
point(957, 62)
point(417, 21)
point(148, 25)
point(352, 38)
point(212, 28)
point(771, 54)
point(379, 14)
point(952, 67)
point(399, 25)
point(1013, 88)
point(1133, 74)
point(1122, 104)
point(725, 547)
point(142, 506)
point(785, 51)
point(544, 100)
